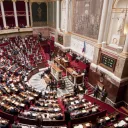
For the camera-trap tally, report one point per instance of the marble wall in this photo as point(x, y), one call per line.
point(78, 45)
point(116, 91)
point(44, 31)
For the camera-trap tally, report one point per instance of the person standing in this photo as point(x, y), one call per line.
point(51, 85)
point(96, 91)
point(75, 90)
point(104, 95)
point(39, 121)
point(67, 116)
point(55, 84)
point(48, 85)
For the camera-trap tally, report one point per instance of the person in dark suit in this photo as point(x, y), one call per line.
point(85, 73)
point(67, 116)
point(55, 85)
point(104, 95)
point(84, 87)
point(39, 120)
point(75, 90)
point(62, 84)
point(40, 36)
point(48, 85)
point(52, 85)
point(96, 91)
point(74, 56)
point(1, 77)
point(59, 117)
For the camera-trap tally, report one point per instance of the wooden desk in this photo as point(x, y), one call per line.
point(62, 62)
point(74, 77)
point(56, 72)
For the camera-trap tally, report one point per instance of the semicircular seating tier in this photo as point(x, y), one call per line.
point(20, 59)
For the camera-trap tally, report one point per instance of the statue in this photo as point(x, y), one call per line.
point(121, 25)
point(122, 22)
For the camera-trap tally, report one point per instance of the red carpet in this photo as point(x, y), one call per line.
point(121, 110)
point(61, 105)
point(103, 105)
point(89, 88)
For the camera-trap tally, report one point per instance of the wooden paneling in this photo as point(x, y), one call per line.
point(115, 93)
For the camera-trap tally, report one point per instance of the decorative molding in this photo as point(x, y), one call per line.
point(14, 0)
point(119, 10)
point(84, 37)
point(51, 0)
point(1, 0)
point(115, 4)
point(38, 1)
point(39, 23)
point(109, 75)
point(26, 0)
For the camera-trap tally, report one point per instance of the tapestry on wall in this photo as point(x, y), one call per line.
point(86, 17)
point(39, 14)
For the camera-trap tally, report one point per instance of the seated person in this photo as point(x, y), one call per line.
point(46, 116)
point(16, 125)
point(4, 123)
point(59, 116)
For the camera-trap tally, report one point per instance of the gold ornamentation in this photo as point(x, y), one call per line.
point(39, 3)
point(13, 0)
point(1, 0)
point(25, 0)
point(38, 24)
point(39, 10)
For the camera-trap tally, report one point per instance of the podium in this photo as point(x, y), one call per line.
point(56, 72)
point(62, 62)
point(74, 77)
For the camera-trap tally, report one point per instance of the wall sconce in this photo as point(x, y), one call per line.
point(101, 77)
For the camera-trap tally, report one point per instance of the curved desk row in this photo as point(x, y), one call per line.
point(23, 120)
point(35, 70)
point(28, 121)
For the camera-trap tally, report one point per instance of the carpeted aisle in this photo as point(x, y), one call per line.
point(103, 105)
point(61, 105)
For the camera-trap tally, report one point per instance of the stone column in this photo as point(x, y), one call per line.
point(67, 8)
point(15, 12)
point(103, 21)
point(30, 6)
point(3, 14)
point(53, 15)
point(57, 14)
point(47, 13)
point(27, 14)
point(125, 49)
point(108, 20)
